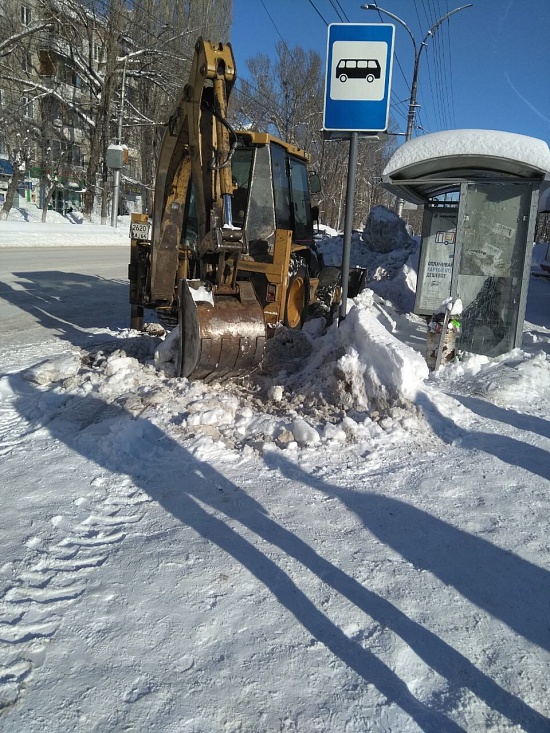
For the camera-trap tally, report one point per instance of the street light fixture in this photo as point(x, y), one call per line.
point(417, 54)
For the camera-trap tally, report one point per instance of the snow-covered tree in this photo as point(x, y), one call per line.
point(74, 57)
point(21, 156)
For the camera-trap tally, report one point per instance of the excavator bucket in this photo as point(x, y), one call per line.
point(219, 339)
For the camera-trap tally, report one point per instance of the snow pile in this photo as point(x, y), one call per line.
point(331, 248)
point(55, 369)
point(357, 365)
point(392, 259)
point(386, 232)
point(510, 380)
point(392, 371)
point(353, 383)
point(387, 251)
point(323, 230)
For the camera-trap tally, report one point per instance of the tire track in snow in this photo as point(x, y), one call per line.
point(33, 606)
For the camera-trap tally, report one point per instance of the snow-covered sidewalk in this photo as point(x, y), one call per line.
point(346, 544)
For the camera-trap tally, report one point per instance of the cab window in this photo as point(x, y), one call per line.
point(281, 188)
point(260, 220)
point(241, 165)
point(301, 204)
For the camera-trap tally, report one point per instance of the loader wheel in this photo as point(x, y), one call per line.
point(297, 297)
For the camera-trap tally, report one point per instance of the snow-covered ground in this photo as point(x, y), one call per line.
point(342, 542)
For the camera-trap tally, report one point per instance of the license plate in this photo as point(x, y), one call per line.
point(139, 231)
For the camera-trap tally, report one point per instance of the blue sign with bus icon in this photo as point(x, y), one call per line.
point(358, 76)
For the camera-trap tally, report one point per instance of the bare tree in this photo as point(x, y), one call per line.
point(164, 34)
point(83, 49)
point(285, 97)
point(21, 155)
point(49, 179)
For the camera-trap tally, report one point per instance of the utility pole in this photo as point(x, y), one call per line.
point(413, 106)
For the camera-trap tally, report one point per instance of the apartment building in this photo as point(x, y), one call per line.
point(50, 72)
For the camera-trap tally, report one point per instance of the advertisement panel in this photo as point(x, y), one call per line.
point(436, 262)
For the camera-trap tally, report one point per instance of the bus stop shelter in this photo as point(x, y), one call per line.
point(480, 191)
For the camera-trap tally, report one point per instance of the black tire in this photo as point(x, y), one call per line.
point(323, 307)
point(343, 77)
point(297, 296)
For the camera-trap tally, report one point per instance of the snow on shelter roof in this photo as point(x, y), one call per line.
point(426, 161)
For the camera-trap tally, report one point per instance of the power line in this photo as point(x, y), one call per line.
point(317, 11)
point(441, 71)
point(272, 21)
point(338, 10)
point(450, 74)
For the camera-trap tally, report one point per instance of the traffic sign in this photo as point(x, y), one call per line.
point(358, 76)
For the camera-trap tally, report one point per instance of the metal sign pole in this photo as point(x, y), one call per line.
point(348, 221)
point(357, 101)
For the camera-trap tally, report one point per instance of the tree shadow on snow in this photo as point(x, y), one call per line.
point(103, 434)
point(509, 450)
point(506, 586)
point(58, 302)
point(519, 420)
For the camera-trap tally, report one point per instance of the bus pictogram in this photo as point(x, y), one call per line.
point(368, 69)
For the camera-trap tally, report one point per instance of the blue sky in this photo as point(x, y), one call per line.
point(487, 67)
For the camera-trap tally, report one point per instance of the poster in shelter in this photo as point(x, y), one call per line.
point(436, 266)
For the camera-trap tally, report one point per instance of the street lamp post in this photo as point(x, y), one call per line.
point(413, 106)
point(116, 172)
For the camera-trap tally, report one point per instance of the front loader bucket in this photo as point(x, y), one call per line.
point(221, 340)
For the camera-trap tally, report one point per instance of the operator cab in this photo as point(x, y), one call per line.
point(271, 192)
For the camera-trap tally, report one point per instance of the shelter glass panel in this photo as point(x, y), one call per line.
point(492, 259)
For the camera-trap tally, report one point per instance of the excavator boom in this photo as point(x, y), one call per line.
point(224, 334)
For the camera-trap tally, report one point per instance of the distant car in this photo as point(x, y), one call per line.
point(368, 69)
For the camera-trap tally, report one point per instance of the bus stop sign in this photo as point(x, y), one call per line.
point(358, 76)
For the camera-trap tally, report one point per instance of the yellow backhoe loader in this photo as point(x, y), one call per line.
point(231, 253)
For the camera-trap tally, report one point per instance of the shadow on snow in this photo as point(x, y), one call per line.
point(68, 303)
point(182, 481)
point(519, 420)
point(509, 450)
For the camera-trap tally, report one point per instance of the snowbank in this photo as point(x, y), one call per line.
point(24, 228)
point(387, 251)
